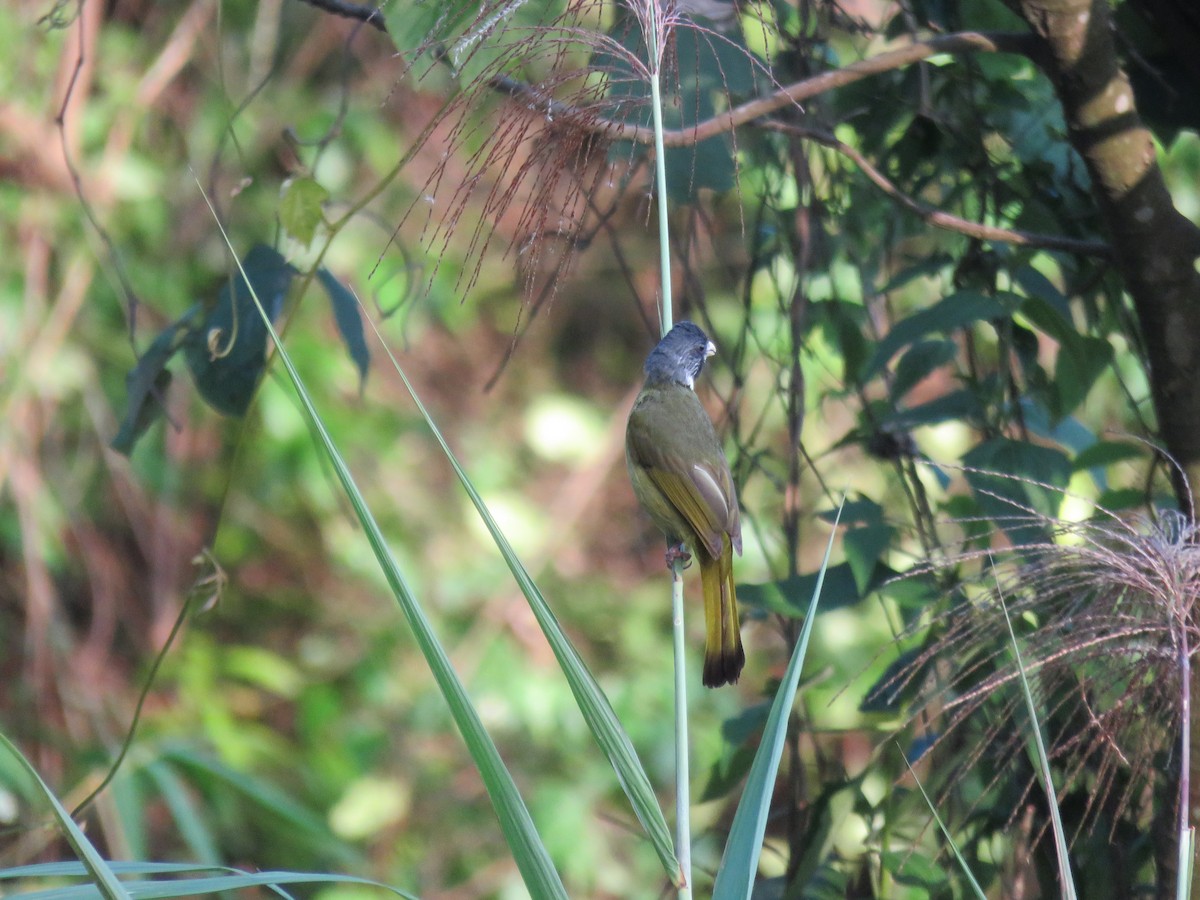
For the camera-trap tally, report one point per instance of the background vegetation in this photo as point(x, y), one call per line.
point(941, 277)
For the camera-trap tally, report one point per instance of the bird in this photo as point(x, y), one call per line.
point(681, 479)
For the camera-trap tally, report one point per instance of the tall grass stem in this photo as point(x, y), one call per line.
point(666, 314)
point(683, 825)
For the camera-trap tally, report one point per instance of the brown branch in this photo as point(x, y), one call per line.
point(788, 96)
point(937, 217)
point(1155, 246)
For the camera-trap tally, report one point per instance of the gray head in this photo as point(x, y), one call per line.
point(679, 356)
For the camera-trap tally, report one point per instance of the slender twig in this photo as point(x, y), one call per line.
point(60, 121)
point(937, 217)
point(131, 731)
point(372, 15)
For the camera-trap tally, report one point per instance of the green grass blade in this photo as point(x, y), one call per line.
point(739, 864)
point(1060, 839)
point(530, 854)
point(103, 877)
point(945, 832)
point(182, 808)
point(207, 883)
point(593, 704)
point(304, 823)
point(73, 869)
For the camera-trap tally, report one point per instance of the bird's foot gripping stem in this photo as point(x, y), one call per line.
point(678, 552)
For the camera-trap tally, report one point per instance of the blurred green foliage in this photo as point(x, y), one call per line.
point(294, 725)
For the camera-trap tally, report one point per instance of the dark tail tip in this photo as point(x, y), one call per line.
point(723, 668)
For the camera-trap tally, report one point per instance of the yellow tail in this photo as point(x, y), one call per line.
point(723, 653)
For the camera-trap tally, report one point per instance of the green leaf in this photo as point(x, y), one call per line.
point(863, 511)
point(1117, 499)
point(1050, 319)
point(473, 38)
point(707, 164)
point(1068, 432)
point(739, 863)
point(103, 878)
point(842, 324)
point(190, 824)
point(1018, 485)
point(865, 548)
point(1080, 362)
point(1039, 755)
point(421, 23)
point(962, 862)
point(147, 383)
point(1106, 453)
point(740, 739)
point(300, 208)
point(1037, 285)
point(962, 405)
point(910, 867)
point(349, 321)
point(958, 310)
point(786, 596)
point(707, 73)
point(896, 684)
point(302, 820)
point(226, 350)
point(930, 266)
point(920, 361)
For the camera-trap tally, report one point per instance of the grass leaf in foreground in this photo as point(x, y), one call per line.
point(1067, 884)
point(103, 877)
point(739, 864)
point(211, 880)
point(593, 704)
point(962, 862)
point(530, 854)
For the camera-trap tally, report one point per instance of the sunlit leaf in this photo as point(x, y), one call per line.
point(1080, 362)
point(300, 208)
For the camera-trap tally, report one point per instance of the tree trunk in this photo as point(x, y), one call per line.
point(1155, 249)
